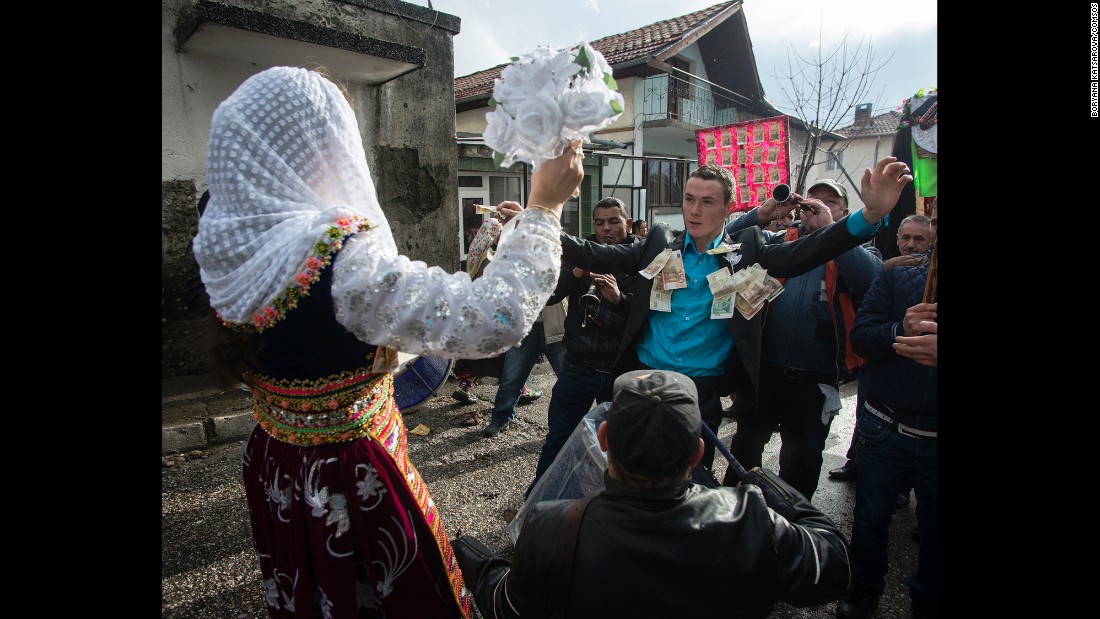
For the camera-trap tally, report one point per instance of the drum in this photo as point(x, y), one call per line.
point(418, 378)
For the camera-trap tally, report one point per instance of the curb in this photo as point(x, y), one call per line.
point(205, 433)
point(196, 416)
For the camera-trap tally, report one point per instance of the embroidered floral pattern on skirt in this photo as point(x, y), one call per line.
point(350, 515)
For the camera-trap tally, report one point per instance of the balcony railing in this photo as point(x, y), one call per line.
point(689, 100)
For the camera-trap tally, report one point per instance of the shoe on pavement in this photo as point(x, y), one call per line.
point(495, 427)
point(859, 604)
point(844, 473)
point(462, 392)
point(463, 396)
point(529, 395)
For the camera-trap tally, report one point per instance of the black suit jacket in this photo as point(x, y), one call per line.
point(781, 260)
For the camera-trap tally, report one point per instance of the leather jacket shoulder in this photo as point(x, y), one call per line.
point(719, 544)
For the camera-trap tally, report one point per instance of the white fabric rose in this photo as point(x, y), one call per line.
point(583, 111)
point(538, 126)
point(500, 133)
point(546, 99)
point(543, 73)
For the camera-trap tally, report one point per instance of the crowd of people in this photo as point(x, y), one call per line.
point(312, 301)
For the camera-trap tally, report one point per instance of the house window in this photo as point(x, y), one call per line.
point(477, 189)
point(665, 183)
point(835, 158)
point(503, 188)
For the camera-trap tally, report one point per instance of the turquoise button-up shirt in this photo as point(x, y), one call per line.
point(686, 340)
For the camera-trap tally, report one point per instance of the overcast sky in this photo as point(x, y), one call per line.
point(494, 30)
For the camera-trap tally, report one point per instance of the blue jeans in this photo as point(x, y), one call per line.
point(577, 388)
point(518, 363)
point(887, 461)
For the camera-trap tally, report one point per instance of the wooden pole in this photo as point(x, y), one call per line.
point(933, 271)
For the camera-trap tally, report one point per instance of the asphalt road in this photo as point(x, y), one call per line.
point(208, 569)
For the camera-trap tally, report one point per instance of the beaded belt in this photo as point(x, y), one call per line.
point(333, 409)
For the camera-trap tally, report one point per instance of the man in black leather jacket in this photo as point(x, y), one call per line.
point(653, 544)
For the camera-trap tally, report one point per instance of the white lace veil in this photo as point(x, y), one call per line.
point(285, 163)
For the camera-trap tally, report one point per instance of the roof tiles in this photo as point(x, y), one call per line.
point(617, 48)
point(883, 124)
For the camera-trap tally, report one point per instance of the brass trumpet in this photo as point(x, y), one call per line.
point(781, 193)
point(590, 303)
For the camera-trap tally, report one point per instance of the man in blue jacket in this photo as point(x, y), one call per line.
point(806, 353)
point(896, 332)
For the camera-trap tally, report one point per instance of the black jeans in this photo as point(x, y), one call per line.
point(795, 404)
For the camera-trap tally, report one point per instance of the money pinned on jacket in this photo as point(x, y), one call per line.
point(724, 248)
point(721, 283)
point(747, 310)
point(754, 287)
point(774, 287)
point(658, 263)
point(722, 306)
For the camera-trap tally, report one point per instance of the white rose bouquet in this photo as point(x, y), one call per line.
point(547, 98)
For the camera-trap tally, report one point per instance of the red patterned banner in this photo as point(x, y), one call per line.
point(755, 151)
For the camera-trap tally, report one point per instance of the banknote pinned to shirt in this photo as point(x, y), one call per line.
point(666, 270)
point(660, 300)
point(673, 276)
point(724, 248)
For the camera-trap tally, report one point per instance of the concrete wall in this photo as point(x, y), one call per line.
point(407, 123)
point(860, 153)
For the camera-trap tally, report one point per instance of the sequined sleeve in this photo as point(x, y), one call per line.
point(417, 309)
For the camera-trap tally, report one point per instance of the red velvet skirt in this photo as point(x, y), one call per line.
point(348, 528)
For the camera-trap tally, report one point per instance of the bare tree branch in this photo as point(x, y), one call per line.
point(823, 88)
